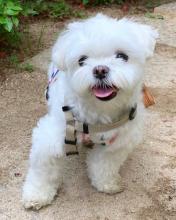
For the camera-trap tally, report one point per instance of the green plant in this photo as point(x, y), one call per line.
point(85, 2)
point(59, 9)
point(54, 8)
point(14, 62)
point(32, 8)
point(16, 42)
point(9, 11)
point(79, 14)
point(9, 22)
point(28, 67)
point(150, 4)
point(153, 16)
point(99, 2)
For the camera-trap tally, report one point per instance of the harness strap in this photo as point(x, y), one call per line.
point(85, 128)
point(70, 138)
point(73, 126)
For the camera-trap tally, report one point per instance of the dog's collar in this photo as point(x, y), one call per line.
point(73, 126)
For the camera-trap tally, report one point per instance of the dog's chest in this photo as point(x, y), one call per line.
point(102, 139)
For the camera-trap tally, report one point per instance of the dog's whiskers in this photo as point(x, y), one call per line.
point(105, 83)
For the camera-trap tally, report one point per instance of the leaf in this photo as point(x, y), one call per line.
point(17, 8)
point(9, 11)
point(3, 20)
point(8, 25)
point(11, 5)
point(15, 21)
point(85, 2)
point(29, 11)
point(28, 67)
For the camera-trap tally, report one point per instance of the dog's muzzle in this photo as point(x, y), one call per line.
point(100, 72)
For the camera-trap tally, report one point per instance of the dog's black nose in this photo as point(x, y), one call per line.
point(100, 71)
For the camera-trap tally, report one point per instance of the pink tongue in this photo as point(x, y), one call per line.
point(102, 92)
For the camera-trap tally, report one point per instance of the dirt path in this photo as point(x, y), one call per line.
point(149, 173)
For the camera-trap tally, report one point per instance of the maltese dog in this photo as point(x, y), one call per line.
point(94, 95)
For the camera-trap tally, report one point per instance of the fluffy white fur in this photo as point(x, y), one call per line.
point(99, 38)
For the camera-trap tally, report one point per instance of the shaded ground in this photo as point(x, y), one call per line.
point(149, 173)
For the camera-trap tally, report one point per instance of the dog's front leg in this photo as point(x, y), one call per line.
point(46, 162)
point(103, 169)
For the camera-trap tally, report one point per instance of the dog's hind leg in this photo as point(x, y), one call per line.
point(46, 163)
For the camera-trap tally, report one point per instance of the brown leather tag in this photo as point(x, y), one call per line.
point(148, 98)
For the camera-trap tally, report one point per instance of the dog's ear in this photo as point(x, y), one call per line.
point(59, 51)
point(64, 45)
point(147, 36)
point(144, 36)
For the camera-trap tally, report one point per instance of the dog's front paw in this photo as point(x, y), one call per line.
point(109, 186)
point(36, 198)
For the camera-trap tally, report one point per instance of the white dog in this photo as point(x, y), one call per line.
point(97, 74)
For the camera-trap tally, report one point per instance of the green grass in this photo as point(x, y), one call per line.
point(28, 67)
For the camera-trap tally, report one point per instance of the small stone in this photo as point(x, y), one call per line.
point(170, 198)
point(17, 174)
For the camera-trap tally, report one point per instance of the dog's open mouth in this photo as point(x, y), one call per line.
point(104, 92)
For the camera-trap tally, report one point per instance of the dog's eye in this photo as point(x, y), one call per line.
point(122, 56)
point(82, 59)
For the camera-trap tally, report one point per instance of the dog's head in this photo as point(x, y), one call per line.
point(103, 57)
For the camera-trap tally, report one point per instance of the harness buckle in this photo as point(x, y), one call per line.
point(133, 112)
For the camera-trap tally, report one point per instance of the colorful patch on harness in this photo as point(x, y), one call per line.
point(51, 81)
point(53, 76)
